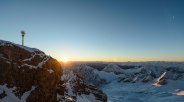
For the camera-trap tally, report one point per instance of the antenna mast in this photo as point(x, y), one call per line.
point(23, 34)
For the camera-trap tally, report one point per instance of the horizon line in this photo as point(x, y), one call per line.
point(122, 61)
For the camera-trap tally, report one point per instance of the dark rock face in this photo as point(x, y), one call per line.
point(26, 67)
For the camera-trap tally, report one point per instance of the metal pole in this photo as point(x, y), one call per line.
point(23, 33)
point(23, 41)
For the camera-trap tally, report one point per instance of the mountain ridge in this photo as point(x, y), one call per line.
point(29, 75)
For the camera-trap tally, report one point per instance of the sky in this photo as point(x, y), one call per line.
point(97, 30)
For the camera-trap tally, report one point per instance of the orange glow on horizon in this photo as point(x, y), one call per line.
point(70, 56)
point(65, 60)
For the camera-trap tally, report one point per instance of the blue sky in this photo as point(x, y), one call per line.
point(98, 30)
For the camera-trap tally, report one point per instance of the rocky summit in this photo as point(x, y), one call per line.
point(29, 75)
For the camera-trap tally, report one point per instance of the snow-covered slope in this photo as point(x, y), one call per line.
point(136, 81)
point(10, 96)
point(77, 87)
point(113, 68)
point(150, 82)
point(144, 92)
point(7, 43)
point(93, 76)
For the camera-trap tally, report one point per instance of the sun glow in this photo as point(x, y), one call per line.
point(65, 59)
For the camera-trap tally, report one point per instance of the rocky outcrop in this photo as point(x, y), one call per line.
point(29, 75)
point(79, 89)
point(24, 68)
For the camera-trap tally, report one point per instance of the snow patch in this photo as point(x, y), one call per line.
point(29, 59)
point(7, 43)
point(86, 98)
point(7, 61)
point(26, 94)
point(180, 93)
point(10, 95)
point(69, 89)
point(157, 83)
point(43, 62)
point(105, 75)
point(50, 71)
point(39, 64)
point(30, 66)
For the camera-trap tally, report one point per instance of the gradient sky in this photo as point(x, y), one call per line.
point(97, 30)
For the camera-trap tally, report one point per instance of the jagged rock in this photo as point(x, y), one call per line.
point(82, 88)
point(161, 80)
point(24, 67)
point(28, 74)
point(77, 88)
